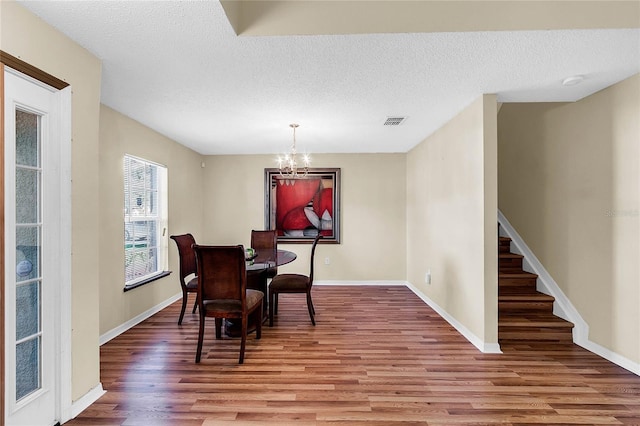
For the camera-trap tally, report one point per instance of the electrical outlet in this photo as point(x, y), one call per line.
point(427, 277)
point(327, 261)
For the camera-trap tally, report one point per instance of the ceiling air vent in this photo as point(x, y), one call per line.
point(394, 121)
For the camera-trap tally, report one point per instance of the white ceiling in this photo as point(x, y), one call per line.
point(179, 68)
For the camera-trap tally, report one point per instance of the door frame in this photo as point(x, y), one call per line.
point(2, 397)
point(63, 373)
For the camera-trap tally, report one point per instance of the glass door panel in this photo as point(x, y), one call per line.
point(28, 283)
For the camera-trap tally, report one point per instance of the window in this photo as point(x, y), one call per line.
point(145, 221)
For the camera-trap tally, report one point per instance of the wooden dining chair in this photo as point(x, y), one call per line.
point(293, 283)
point(187, 268)
point(265, 244)
point(223, 293)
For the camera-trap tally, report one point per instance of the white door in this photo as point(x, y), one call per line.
point(34, 269)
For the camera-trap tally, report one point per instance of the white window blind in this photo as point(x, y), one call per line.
point(145, 220)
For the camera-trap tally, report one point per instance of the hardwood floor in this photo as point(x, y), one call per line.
point(378, 356)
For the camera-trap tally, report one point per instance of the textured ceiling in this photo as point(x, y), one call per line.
point(179, 68)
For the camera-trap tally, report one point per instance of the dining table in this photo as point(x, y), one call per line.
point(257, 279)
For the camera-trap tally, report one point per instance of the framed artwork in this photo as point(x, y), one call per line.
point(300, 208)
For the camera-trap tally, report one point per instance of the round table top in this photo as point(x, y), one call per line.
point(283, 257)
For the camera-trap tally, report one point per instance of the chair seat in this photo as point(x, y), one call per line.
point(230, 306)
point(293, 283)
point(284, 282)
point(192, 285)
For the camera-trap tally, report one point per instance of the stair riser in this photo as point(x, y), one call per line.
point(527, 336)
point(535, 334)
point(516, 291)
point(533, 307)
point(517, 282)
point(504, 242)
point(507, 265)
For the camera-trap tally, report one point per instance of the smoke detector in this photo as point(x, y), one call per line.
point(573, 80)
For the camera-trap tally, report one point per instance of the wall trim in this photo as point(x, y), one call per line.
point(487, 348)
point(562, 306)
point(609, 355)
point(360, 283)
point(86, 400)
point(137, 319)
point(65, 385)
point(33, 72)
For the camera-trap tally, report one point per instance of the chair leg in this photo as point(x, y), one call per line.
point(185, 296)
point(313, 308)
point(200, 337)
point(259, 320)
point(195, 305)
point(271, 302)
point(218, 328)
point(310, 308)
point(243, 339)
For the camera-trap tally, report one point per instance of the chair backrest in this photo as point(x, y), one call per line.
point(313, 254)
point(186, 253)
point(222, 273)
point(265, 244)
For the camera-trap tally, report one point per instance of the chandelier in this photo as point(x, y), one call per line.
point(291, 165)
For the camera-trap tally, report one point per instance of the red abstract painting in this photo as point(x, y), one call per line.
point(299, 209)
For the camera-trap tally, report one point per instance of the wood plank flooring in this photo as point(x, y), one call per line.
point(378, 356)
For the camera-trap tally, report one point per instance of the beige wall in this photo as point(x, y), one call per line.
point(452, 218)
point(120, 135)
point(373, 214)
point(569, 184)
point(25, 36)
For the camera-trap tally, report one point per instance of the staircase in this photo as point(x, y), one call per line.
point(524, 314)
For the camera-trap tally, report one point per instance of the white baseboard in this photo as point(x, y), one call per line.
point(86, 400)
point(138, 319)
point(609, 355)
point(488, 348)
point(355, 283)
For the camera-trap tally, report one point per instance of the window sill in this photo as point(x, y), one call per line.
point(147, 280)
